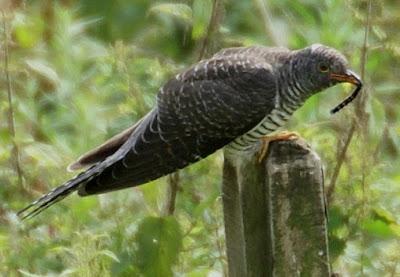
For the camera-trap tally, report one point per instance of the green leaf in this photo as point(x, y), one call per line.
point(336, 218)
point(28, 274)
point(5, 136)
point(81, 210)
point(395, 229)
point(180, 11)
point(199, 273)
point(109, 254)
point(383, 215)
point(28, 31)
point(44, 70)
point(336, 246)
point(152, 193)
point(202, 10)
point(377, 228)
point(159, 241)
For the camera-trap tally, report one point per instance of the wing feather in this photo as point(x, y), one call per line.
point(104, 150)
point(194, 118)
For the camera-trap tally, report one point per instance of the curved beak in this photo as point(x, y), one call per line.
point(348, 77)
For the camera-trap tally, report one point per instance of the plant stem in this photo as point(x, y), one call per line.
point(212, 26)
point(266, 16)
point(173, 186)
point(360, 115)
point(340, 160)
point(11, 119)
point(364, 131)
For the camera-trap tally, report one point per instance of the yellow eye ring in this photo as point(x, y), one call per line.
point(323, 67)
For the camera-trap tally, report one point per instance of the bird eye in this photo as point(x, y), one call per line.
point(323, 67)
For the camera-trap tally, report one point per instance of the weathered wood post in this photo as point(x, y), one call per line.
point(274, 212)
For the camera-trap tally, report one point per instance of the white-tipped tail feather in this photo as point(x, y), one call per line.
point(58, 193)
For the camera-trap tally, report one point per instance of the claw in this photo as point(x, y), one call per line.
point(285, 135)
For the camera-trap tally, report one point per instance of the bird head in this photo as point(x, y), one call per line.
point(321, 67)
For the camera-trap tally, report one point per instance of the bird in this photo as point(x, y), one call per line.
point(233, 99)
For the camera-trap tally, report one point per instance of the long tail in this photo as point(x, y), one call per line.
point(58, 193)
point(86, 176)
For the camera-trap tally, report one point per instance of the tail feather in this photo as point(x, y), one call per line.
point(127, 138)
point(56, 194)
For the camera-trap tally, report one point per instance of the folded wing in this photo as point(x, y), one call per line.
point(198, 112)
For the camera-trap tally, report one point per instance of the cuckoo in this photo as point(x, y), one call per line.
point(233, 99)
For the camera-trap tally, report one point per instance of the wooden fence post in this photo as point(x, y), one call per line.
point(274, 212)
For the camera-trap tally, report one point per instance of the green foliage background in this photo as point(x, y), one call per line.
point(80, 71)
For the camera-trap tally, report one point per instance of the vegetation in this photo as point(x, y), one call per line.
point(75, 72)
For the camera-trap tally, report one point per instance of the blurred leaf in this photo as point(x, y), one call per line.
point(336, 247)
point(159, 241)
point(202, 10)
point(109, 254)
point(28, 31)
point(379, 32)
point(377, 228)
point(26, 273)
point(82, 208)
point(79, 27)
point(199, 273)
point(151, 192)
point(44, 70)
point(396, 229)
point(43, 154)
point(5, 136)
point(383, 215)
point(67, 272)
point(205, 203)
point(180, 11)
point(377, 119)
point(336, 218)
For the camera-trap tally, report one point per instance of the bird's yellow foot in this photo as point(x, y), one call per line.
point(285, 135)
